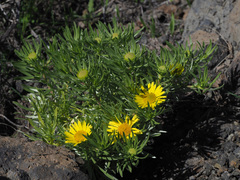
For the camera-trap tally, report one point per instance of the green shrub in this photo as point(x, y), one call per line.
point(102, 92)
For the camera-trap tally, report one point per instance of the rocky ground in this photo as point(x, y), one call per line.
point(203, 132)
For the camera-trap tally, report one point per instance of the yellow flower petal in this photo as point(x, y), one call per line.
point(136, 131)
point(126, 127)
point(77, 132)
point(152, 97)
point(134, 119)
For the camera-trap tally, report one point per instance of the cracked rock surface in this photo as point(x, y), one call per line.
point(22, 159)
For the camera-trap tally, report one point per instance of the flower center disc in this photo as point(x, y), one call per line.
point(151, 98)
point(124, 128)
point(78, 136)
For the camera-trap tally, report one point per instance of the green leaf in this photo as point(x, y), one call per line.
point(172, 24)
point(21, 106)
point(91, 6)
point(153, 28)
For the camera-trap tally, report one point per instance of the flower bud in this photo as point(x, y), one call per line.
point(32, 55)
point(129, 56)
point(132, 151)
point(115, 35)
point(176, 70)
point(98, 39)
point(82, 74)
point(162, 69)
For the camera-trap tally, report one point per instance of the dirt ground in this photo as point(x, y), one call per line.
point(203, 133)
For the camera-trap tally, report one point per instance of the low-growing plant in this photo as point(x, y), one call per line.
point(203, 81)
point(101, 92)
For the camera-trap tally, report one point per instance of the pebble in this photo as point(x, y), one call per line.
point(208, 169)
point(237, 152)
point(236, 173)
point(222, 160)
point(225, 175)
point(229, 146)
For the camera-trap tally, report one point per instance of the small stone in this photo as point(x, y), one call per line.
point(12, 174)
point(237, 152)
point(225, 175)
point(208, 169)
point(193, 161)
point(233, 161)
point(236, 172)
point(230, 137)
point(218, 166)
point(222, 160)
point(236, 123)
point(213, 177)
point(229, 146)
point(192, 178)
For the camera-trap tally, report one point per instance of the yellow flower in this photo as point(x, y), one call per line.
point(98, 39)
point(120, 128)
point(114, 35)
point(77, 131)
point(82, 74)
point(152, 97)
point(32, 55)
point(129, 56)
point(176, 70)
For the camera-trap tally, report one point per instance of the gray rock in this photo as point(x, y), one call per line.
point(23, 159)
point(236, 173)
point(218, 21)
point(219, 16)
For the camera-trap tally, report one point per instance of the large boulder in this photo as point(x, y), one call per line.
point(23, 159)
point(218, 21)
point(216, 18)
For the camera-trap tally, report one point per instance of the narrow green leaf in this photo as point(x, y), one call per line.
point(172, 24)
